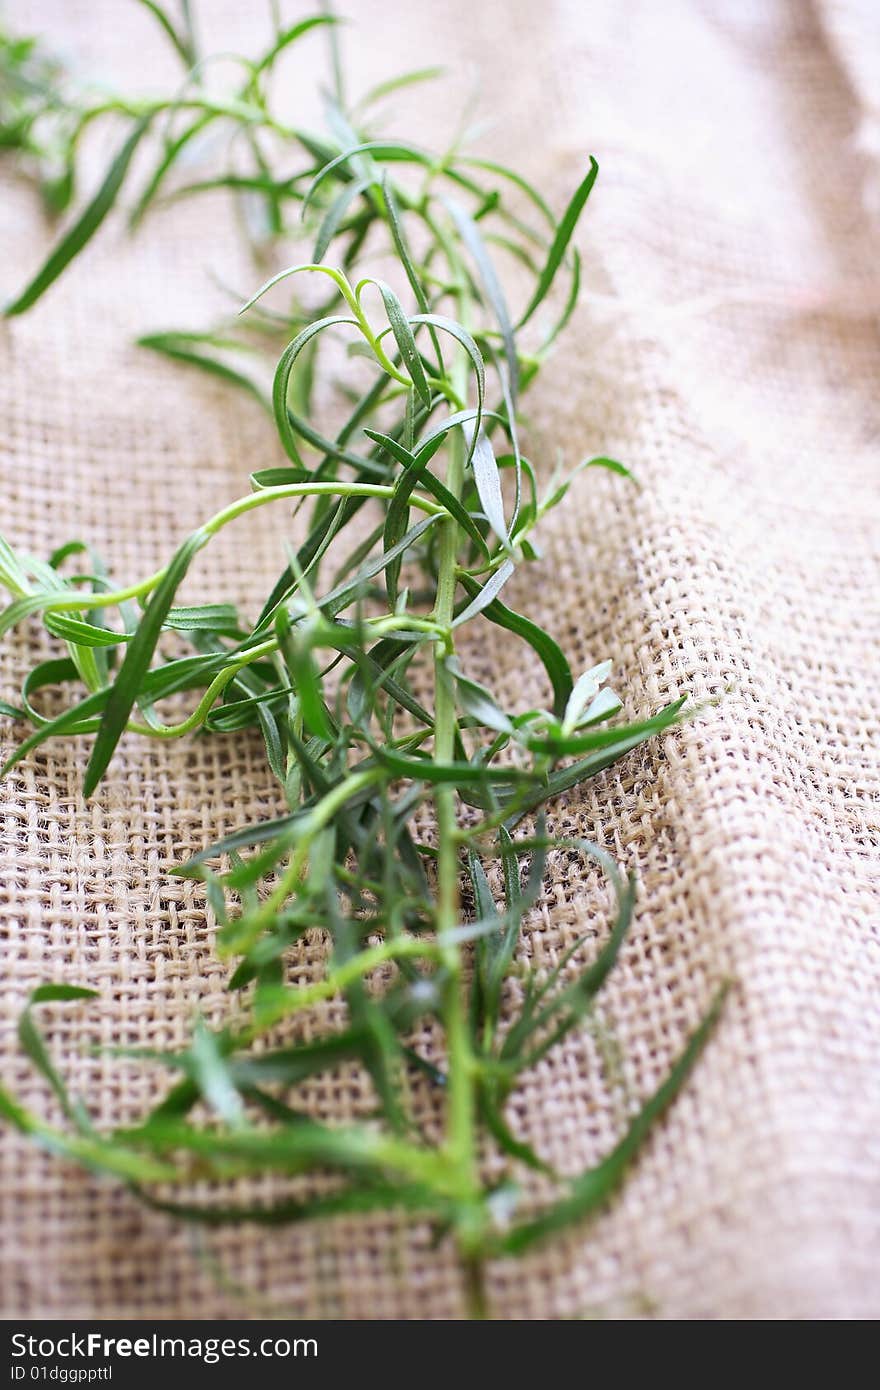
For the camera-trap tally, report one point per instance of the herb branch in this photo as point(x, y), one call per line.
point(329, 670)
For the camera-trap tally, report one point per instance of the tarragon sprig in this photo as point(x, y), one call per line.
point(431, 449)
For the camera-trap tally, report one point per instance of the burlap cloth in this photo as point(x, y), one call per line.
point(727, 350)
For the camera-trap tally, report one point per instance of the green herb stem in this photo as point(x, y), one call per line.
point(52, 603)
point(461, 1100)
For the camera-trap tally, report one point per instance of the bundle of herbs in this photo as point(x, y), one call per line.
point(412, 517)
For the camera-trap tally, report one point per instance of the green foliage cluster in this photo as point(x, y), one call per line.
point(329, 670)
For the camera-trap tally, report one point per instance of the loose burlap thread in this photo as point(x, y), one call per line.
point(726, 351)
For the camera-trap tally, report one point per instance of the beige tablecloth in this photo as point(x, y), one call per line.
point(727, 351)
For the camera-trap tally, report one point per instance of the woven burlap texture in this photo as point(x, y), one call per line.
point(727, 351)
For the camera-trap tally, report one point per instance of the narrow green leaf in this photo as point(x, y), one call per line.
point(83, 229)
point(221, 618)
point(282, 378)
point(289, 36)
point(394, 150)
point(375, 1197)
point(593, 1188)
point(127, 685)
point(507, 1141)
point(477, 701)
point(565, 778)
point(523, 184)
point(599, 738)
point(461, 335)
point(394, 84)
point(60, 993)
point(293, 1149)
point(586, 688)
point(173, 149)
point(98, 1155)
point(485, 595)
point(470, 235)
point(403, 336)
point(80, 718)
point(212, 1075)
point(421, 476)
point(181, 44)
point(343, 594)
point(296, 648)
point(279, 477)
point(12, 575)
point(488, 482)
point(427, 769)
point(246, 836)
point(81, 633)
point(33, 1044)
point(546, 649)
point(374, 673)
point(191, 349)
point(560, 242)
point(397, 516)
point(566, 1008)
point(336, 213)
point(559, 493)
